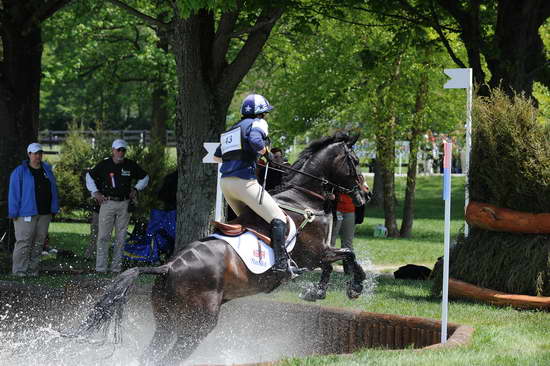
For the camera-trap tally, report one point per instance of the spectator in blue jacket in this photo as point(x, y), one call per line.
point(32, 200)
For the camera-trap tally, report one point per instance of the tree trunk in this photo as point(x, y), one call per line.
point(377, 186)
point(206, 85)
point(385, 144)
point(416, 130)
point(515, 53)
point(410, 190)
point(159, 98)
point(19, 102)
point(490, 217)
point(386, 153)
point(159, 115)
point(197, 121)
point(520, 58)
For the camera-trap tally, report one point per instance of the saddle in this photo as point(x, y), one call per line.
point(237, 229)
point(245, 223)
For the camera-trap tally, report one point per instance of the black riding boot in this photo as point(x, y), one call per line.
point(278, 230)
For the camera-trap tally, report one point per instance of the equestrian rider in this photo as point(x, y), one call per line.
point(240, 147)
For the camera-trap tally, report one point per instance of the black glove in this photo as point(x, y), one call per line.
point(269, 156)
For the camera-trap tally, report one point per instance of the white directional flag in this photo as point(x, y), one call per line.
point(211, 148)
point(460, 78)
point(209, 158)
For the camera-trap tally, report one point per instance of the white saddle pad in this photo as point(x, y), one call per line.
point(256, 254)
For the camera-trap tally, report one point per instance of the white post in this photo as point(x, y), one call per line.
point(447, 237)
point(462, 79)
point(469, 99)
point(209, 158)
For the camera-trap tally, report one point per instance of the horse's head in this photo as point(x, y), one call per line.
point(344, 168)
point(332, 161)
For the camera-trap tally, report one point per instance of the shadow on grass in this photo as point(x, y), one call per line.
point(401, 290)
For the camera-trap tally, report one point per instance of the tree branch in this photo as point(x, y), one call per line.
point(234, 73)
point(222, 39)
point(436, 26)
point(146, 18)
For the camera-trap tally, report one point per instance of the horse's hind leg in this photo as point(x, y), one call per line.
point(193, 327)
point(165, 331)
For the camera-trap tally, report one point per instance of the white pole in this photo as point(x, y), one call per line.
point(209, 158)
point(219, 197)
point(469, 98)
point(462, 79)
point(447, 238)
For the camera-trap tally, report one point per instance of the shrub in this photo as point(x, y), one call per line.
point(510, 163)
point(77, 155)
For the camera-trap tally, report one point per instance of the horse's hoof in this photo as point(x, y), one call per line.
point(354, 291)
point(321, 294)
point(309, 295)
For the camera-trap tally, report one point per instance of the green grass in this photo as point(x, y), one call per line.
point(503, 336)
point(426, 243)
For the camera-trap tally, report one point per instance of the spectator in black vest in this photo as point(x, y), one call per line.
point(110, 183)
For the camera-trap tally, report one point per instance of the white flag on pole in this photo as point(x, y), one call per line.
point(211, 148)
point(460, 78)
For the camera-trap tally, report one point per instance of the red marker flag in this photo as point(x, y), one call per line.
point(447, 156)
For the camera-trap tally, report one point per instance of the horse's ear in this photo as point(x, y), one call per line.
point(352, 140)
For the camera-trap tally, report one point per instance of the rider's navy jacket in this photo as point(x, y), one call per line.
point(22, 197)
point(255, 134)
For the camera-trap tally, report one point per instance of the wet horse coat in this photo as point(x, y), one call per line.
point(205, 274)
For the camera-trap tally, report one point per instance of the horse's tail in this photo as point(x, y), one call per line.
point(111, 305)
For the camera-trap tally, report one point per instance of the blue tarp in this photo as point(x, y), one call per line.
point(158, 238)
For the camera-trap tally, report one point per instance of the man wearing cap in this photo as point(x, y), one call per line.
point(32, 200)
point(110, 183)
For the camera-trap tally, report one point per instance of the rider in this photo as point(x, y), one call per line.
point(239, 149)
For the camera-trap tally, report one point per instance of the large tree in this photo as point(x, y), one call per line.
point(20, 75)
point(214, 48)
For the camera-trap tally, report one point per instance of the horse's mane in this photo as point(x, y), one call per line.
point(307, 153)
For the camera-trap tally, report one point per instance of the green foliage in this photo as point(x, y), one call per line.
point(510, 161)
point(157, 164)
point(101, 65)
point(77, 155)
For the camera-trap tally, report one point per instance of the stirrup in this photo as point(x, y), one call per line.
point(291, 268)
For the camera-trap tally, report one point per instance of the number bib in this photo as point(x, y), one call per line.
point(231, 141)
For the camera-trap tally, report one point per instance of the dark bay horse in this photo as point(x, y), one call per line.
point(192, 286)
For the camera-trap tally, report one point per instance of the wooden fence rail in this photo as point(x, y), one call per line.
point(133, 137)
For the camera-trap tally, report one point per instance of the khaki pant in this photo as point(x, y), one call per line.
point(240, 193)
point(344, 224)
point(29, 238)
point(111, 214)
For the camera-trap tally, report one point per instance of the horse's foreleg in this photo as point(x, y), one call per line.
point(355, 287)
point(319, 291)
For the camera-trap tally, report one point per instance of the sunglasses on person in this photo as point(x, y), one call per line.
point(121, 149)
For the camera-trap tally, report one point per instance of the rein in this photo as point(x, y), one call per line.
point(322, 180)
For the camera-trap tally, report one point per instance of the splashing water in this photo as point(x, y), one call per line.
point(30, 334)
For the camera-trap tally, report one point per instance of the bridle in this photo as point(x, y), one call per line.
point(332, 187)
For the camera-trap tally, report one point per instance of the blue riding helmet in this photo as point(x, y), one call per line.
point(255, 104)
